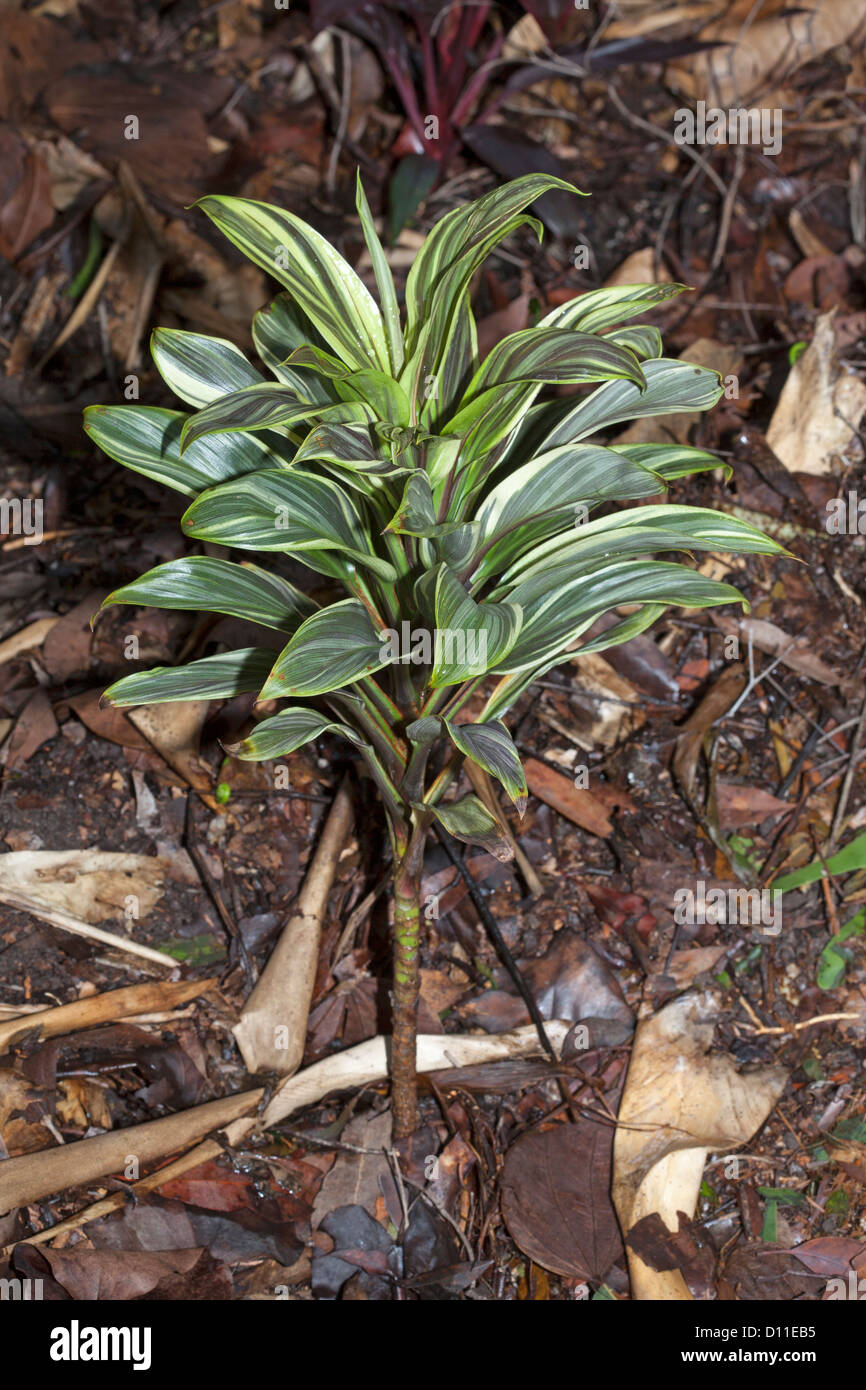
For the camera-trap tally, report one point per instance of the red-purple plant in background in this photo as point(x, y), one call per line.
point(442, 60)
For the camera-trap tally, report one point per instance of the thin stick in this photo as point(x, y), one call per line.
point(56, 917)
point(101, 1008)
point(492, 929)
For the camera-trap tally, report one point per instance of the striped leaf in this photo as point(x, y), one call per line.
point(316, 276)
point(640, 338)
point(470, 637)
point(470, 821)
point(440, 275)
point(200, 369)
point(286, 731)
point(201, 584)
point(147, 440)
point(384, 281)
point(558, 605)
point(544, 495)
point(671, 386)
point(643, 530)
point(277, 331)
point(291, 511)
point(599, 309)
point(492, 748)
point(443, 391)
point(331, 649)
point(552, 355)
point(263, 407)
point(381, 392)
point(213, 678)
point(671, 460)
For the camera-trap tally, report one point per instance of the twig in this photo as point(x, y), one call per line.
point(492, 928)
point(56, 917)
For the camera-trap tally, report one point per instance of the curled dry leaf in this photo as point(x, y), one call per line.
point(819, 408)
point(752, 56)
point(556, 1202)
point(91, 884)
point(577, 803)
point(679, 1103)
point(173, 729)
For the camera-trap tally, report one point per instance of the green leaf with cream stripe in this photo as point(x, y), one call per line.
point(671, 386)
point(333, 648)
point(470, 638)
point(470, 821)
point(293, 511)
point(552, 355)
point(267, 406)
point(306, 264)
point(202, 584)
point(277, 331)
point(558, 605)
point(213, 678)
point(491, 746)
point(671, 460)
point(546, 495)
point(287, 731)
point(147, 440)
point(643, 530)
point(384, 280)
point(600, 309)
point(200, 369)
point(440, 275)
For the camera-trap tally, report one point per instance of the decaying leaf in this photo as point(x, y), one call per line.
point(92, 885)
point(819, 408)
point(555, 1199)
point(679, 1103)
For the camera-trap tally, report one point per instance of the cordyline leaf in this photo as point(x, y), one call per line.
point(291, 511)
point(558, 606)
point(470, 821)
point(553, 355)
point(545, 495)
point(147, 440)
point(641, 531)
point(384, 280)
point(331, 649)
point(671, 460)
point(492, 748)
point(316, 276)
point(416, 515)
point(442, 391)
point(440, 275)
point(378, 390)
point(202, 584)
point(642, 339)
point(286, 731)
point(263, 407)
point(200, 369)
point(470, 637)
point(671, 386)
point(277, 330)
point(348, 446)
point(599, 309)
point(424, 731)
point(212, 678)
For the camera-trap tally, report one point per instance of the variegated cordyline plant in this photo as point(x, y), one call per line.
point(446, 502)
